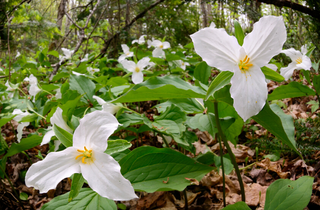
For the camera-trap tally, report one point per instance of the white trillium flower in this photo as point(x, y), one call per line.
point(136, 68)
point(67, 54)
point(248, 86)
point(126, 53)
point(86, 58)
point(56, 119)
point(9, 89)
point(86, 156)
point(34, 89)
point(299, 61)
point(77, 74)
point(182, 64)
point(159, 46)
point(21, 125)
point(273, 67)
point(107, 107)
point(18, 54)
point(141, 40)
point(58, 94)
point(92, 70)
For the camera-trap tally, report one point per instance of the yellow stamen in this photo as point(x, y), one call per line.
point(86, 154)
point(244, 64)
point(299, 60)
point(161, 46)
point(137, 69)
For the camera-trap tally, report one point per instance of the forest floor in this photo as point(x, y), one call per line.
point(258, 171)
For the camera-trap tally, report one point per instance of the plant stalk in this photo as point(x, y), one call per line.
point(223, 174)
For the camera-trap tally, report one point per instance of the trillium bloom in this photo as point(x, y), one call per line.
point(126, 53)
point(34, 89)
point(159, 46)
point(92, 70)
point(58, 120)
point(107, 107)
point(86, 58)
point(299, 61)
point(77, 73)
point(18, 54)
point(21, 125)
point(248, 86)
point(141, 40)
point(182, 64)
point(67, 54)
point(86, 156)
point(136, 68)
point(58, 94)
point(9, 89)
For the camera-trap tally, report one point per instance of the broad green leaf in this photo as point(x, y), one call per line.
point(289, 195)
point(153, 169)
point(64, 136)
point(306, 74)
point(69, 107)
point(237, 206)
point(3, 145)
point(272, 75)
point(228, 166)
point(25, 144)
point(29, 118)
point(188, 105)
point(238, 32)
point(126, 119)
point(87, 199)
point(76, 185)
point(115, 146)
point(316, 83)
point(291, 90)
point(219, 82)
point(84, 86)
point(54, 53)
point(5, 119)
point(173, 113)
point(172, 57)
point(278, 123)
point(160, 88)
point(202, 72)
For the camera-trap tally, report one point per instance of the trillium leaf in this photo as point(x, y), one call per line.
point(6, 119)
point(237, 206)
point(153, 169)
point(316, 83)
point(83, 86)
point(238, 32)
point(291, 90)
point(160, 88)
point(118, 145)
point(25, 144)
point(187, 105)
point(202, 72)
point(64, 136)
point(87, 199)
point(289, 195)
point(219, 82)
point(272, 75)
point(76, 185)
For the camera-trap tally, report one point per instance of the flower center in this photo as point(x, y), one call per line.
point(161, 46)
point(299, 60)
point(137, 69)
point(86, 154)
point(244, 64)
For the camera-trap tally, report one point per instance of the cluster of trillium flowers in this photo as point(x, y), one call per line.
point(217, 48)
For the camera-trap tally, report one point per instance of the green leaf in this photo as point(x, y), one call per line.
point(272, 75)
point(228, 166)
point(76, 186)
point(219, 82)
point(29, 118)
point(291, 90)
point(127, 119)
point(87, 199)
point(84, 86)
point(238, 32)
point(278, 123)
point(115, 146)
point(23, 196)
point(188, 105)
point(202, 72)
point(316, 83)
point(6, 119)
point(160, 88)
point(69, 107)
point(25, 144)
point(64, 136)
point(289, 195)
point(54, 53)
point(148, 169)
point(3, 145)
point(237, 206)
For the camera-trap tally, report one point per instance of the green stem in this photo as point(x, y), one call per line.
point(164, 140)
point(232, 157)
point(223, 175)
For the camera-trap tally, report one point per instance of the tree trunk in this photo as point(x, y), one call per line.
point(61, 12)
point(204, 13)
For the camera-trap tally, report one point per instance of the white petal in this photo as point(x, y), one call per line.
point(249, 92)
point(46, 174)
point(129, 65)
point(47, 137)
point(166, 45)
point(58, 94)
point(99, 100)
point(287, 72)
point(110, 108)
point(134, 41)
point(137, 77)
point(67, 53)
point(158, 53)
point(121, 58)
point(20, 130)
point(58, 120)
point(125, 48)
point(292, 53)
point(141, 39)
point(217, 48)
point(144, 62)
point(94, 131)
point(33, 80)
point(304, 49)
point(156, 43)
point(272, 66)
point(34, 90)
point(265, 40)
point(306, 63)
point(104, 177)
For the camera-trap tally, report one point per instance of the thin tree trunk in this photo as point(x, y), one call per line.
point(204, 14)
point(61, 13)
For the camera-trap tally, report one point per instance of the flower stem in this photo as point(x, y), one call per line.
point(232, 157)
point(223, 175)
